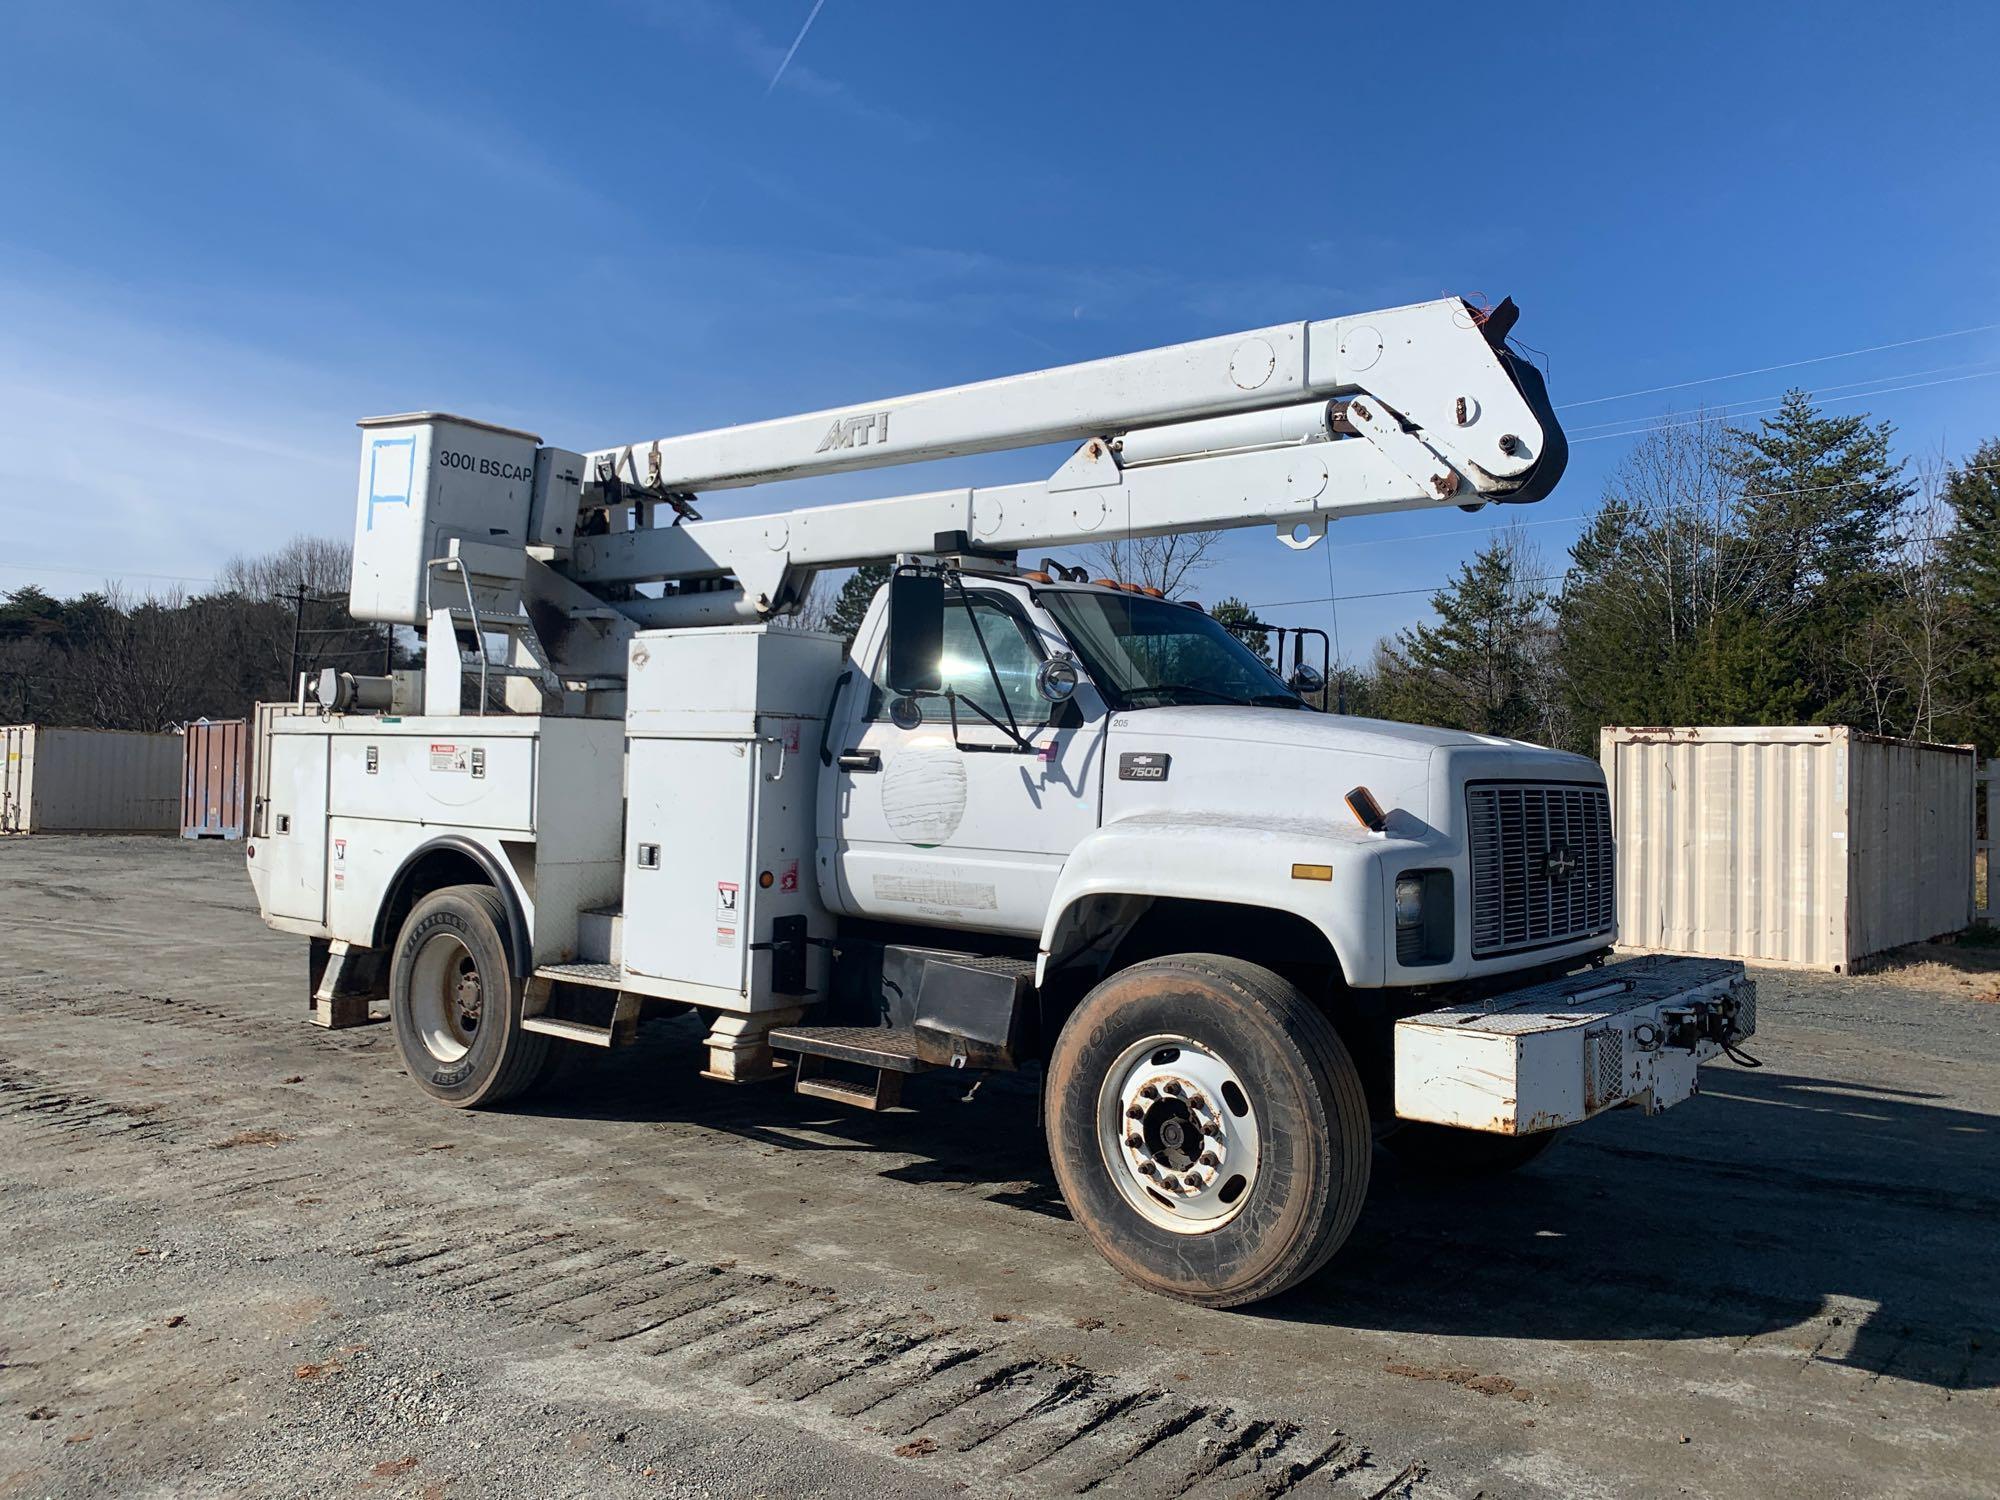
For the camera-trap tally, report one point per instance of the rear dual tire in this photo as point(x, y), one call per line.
point(456, 1002)
point(1209, 1129)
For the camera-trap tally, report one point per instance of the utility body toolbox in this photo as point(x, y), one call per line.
point(1560, 1052)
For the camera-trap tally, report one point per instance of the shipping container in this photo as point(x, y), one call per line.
point(1811, 847)
point(88, 781)
point(215, 778)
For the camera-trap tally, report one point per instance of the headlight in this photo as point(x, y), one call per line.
point(1409, 901)
point(1423, 918)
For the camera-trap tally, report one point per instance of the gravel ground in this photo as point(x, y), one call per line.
point(245, 1256)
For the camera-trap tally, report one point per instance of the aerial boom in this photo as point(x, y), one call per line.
point(1400, 354)
point(474, 530)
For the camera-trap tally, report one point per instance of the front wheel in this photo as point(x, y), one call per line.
point(1209, 1129)
point(456, 1002)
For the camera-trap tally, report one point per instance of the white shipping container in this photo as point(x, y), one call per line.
point(88, 780)
point(1807, 847)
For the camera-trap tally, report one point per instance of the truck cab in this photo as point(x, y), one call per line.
point(1175, 766)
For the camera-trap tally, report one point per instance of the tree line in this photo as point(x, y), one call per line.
point(112, 659)
point(1794, 572)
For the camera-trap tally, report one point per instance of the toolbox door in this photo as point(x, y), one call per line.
point(296, 845)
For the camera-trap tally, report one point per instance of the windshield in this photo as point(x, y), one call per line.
point(1145, 652)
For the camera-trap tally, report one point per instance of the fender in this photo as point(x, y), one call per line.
point(519, 952)
point(1240, 861)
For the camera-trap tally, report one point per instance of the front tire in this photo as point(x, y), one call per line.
point(456, 1002)
point(1208, 1127)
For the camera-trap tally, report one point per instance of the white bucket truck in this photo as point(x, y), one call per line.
point(1026, 820)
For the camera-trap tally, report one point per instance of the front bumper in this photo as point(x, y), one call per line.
point(1556, 1053)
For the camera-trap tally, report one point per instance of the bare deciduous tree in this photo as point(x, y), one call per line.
point(1166, 563)
point(1911, 652)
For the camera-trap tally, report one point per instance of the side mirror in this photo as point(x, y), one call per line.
point(916, 633)
point(1305, 680)
point(1057, 678)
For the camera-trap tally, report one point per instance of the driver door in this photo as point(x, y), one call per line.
point(965, 830)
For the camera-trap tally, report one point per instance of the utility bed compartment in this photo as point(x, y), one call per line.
point(1556, 1053)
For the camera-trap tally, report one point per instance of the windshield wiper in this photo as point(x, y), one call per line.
point(1278, 700)
point(1187, 687)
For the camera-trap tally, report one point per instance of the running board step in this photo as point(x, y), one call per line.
point(890, 1053)
point(621, 1025)
point(599, 976)
point(569, 1031)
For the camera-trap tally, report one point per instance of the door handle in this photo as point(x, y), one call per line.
point(860, 760)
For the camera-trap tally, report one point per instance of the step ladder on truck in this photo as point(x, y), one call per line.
point(1027, 820)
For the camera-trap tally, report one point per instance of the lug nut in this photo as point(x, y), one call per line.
point(1135, 1140)
point(1136, 1112)
point(1150, 1091)
point(1209, 1158)
point(1173, 1086)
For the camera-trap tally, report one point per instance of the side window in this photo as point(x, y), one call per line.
point(1016, 660)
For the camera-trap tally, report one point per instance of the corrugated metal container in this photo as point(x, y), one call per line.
point(88, 781)
point(215, 778)
point(1810, 847)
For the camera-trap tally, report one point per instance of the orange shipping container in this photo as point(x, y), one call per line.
point(215, 778)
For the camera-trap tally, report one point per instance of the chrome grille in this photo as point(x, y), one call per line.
point(1518, 899)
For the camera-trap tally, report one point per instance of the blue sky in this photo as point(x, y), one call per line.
point(228, 232)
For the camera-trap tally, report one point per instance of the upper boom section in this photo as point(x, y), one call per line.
point(1400, 354)
point(1290, 426)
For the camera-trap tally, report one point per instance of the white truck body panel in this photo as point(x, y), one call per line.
point(544, 797)
point(724, 741)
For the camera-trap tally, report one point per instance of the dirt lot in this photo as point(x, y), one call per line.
point(244, 1256)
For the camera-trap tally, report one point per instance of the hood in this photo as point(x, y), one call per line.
point(1288, 726)
point(1259, 762)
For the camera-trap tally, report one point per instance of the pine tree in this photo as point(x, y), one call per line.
point(1234, 612)
point(1972, 569)
point(850, 606)
point(1479, 667)
point(1817, 518)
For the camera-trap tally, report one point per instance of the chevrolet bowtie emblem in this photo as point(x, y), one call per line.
point(1559, 864)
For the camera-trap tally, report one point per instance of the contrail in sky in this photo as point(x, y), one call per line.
point(811, 16)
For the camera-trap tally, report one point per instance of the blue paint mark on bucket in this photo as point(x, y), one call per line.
point(391, 475)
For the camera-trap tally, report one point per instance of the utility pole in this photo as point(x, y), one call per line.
point(298, 627)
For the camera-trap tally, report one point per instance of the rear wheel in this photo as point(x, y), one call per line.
point(1443, 1151)
point(1208, 1127)
point(456, 1001)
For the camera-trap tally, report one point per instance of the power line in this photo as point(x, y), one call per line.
point(1643, 428)
point(1739, 551)
point(1816, 391)
point(1794, 364)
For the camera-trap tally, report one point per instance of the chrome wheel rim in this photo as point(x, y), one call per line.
point(447, 997)
point(1178, 1133)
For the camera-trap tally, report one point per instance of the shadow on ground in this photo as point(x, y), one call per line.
point(1860, 1217)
